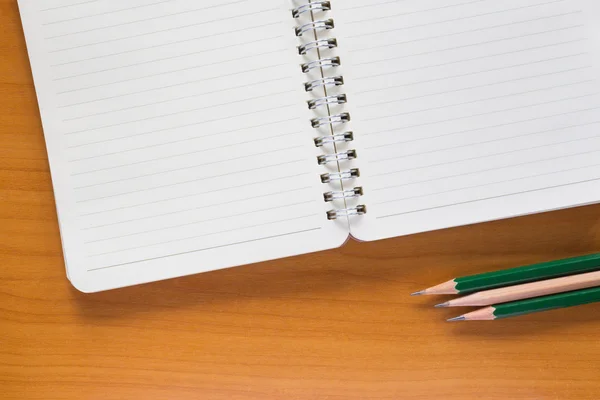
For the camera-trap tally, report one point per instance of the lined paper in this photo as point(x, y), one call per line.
point(471, 110)
point(176, 135)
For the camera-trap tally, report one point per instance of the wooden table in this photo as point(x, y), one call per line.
point(333, 325)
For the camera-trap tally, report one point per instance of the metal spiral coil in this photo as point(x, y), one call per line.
point(331, 103)
point(344, 194)
point(343, 137)
point(324, 24)
point(321, 63)
point(347, 212)
point(336, 157)
point(330, 120)
point(324, 82)
point(323, 101)
point(310, 7)
point(303, 49)
point(340, 176)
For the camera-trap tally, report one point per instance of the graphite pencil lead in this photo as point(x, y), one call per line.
point(461, 318)
point(419, 293)
point(442, 305)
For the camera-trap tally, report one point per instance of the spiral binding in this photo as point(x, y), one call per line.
point(347, 212)
point(311, 6)
point(340, 176)
point(324, 82)
point(325, 24)
point(323, 64)
point(317, 44)
point(344, 137)
point(337, 99)
point(343, 194)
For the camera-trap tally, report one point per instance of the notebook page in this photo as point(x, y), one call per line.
point(471, 110)
point(178, 136)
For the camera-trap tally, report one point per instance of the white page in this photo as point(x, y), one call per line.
point(471, 110)
point(178, 136)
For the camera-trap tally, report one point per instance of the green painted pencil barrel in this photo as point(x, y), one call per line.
point(546, 303)
point(529, 273)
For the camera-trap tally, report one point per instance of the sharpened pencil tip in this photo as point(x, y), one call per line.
point(442, 305)
point(419, 293)
point(461, 318)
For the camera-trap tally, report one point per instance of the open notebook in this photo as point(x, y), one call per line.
point(186, 136)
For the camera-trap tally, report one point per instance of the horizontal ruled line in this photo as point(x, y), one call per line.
point(165, 16)
point(488, 127)
point(238, 215)
point(470, 59)
point(474, 73)
point(489, 198)
point(490, 184)
point(371, 4)
point(187, 167)
point(402, 14)
point(478, 100)
point(153, 46)
point(484, 142)
point(206, 248)
point(152, 146)
point(471, 87)
point(106, 13)
point(68, 5)
point(462, 32)
point(220, 90)
point(220, 203)
point(182, 55)
point(189, 181)
point(237, 186)
point(484, 170)
point(493, 155)
point(162, 87)
point(485, 43)
point(178, 113)
point(172, 128)
point(204, 235)
point(452, 19)
point(482, 114)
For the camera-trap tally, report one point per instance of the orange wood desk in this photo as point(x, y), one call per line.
point(333, 325)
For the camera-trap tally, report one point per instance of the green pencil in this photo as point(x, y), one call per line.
point(515, 276)
point(530, 306)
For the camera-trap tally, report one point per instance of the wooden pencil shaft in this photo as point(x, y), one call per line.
point(529, 273)
point(483, 314)
point(528, 290)
point(448, 287)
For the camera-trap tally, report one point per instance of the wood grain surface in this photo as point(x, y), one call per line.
point(332, 325)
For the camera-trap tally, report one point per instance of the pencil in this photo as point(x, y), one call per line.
point(527, 290)
point(515, 276)
point(530, 306)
